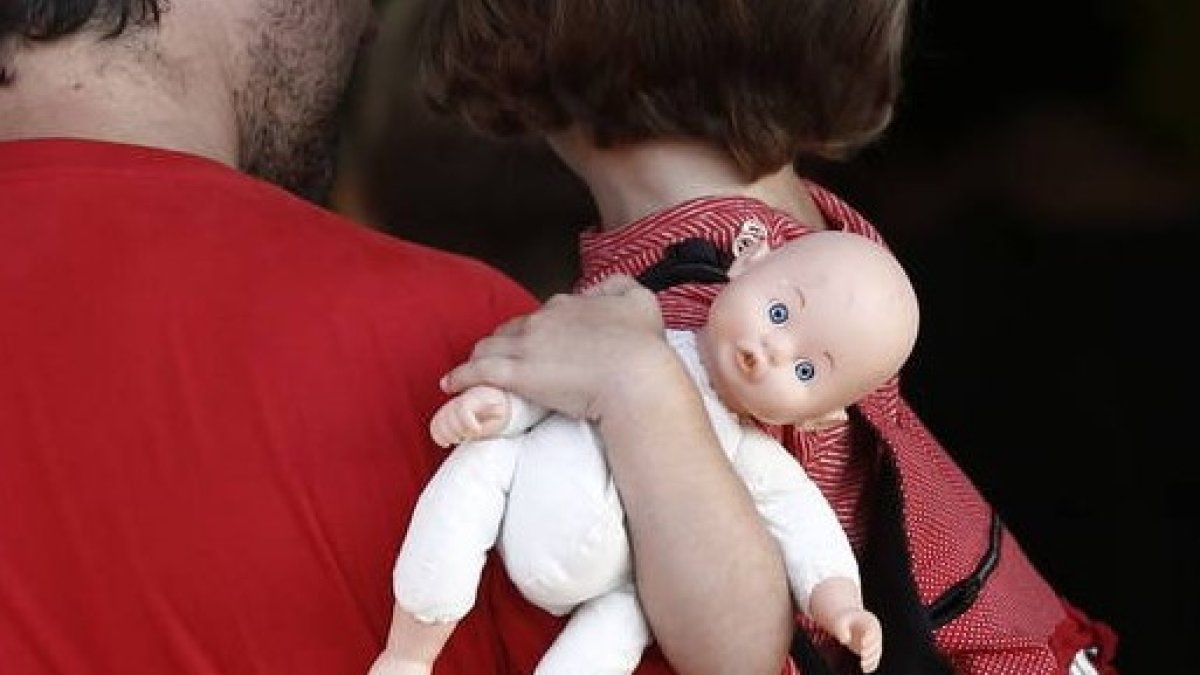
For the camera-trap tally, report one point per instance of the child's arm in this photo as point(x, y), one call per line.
point(691, 520)
point(821, 567)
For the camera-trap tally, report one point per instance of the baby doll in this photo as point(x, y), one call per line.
point(796, 335)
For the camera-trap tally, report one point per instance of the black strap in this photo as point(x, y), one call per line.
point(889, 589)
point(688, 261)
point(806, 657)
point(959, 597)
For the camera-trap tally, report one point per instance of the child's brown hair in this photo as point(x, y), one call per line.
point(766, 80)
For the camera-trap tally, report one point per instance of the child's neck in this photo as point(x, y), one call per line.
point(631, 182)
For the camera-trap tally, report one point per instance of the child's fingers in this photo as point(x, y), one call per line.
point(495, 345)
point(496, 371)
point(617, 284)
point(513, 326)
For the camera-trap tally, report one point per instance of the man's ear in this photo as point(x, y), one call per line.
point(746, 258)
point(825, 421)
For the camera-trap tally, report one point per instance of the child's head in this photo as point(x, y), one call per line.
point(765, 80)
point(807, 329)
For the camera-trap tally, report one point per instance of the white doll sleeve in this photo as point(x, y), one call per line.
point(523, 414)
point(455, 522)
point(814, 546)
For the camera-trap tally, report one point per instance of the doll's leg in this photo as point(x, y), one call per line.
point(605, 636)
point(455, 523)
point(564, 539)
point(412, 646)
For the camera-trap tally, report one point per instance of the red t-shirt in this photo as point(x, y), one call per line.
point(213, 409)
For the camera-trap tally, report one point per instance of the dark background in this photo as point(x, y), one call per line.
point(1042, 185)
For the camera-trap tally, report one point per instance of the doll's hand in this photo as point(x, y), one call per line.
point(836, 605)
point(861, 633)
point(580, 355)
point(479, 412)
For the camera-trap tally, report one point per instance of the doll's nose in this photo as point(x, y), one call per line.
point(774, 350)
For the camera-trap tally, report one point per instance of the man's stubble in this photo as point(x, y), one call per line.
point(301, 58)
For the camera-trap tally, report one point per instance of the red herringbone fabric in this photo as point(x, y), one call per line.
point(1017, 625)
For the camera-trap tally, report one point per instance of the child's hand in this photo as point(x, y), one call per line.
point(579, 355)
point(861, 633)
point(479, 412)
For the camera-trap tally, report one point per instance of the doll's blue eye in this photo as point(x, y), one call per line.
point(777, 312)
point(805, 370)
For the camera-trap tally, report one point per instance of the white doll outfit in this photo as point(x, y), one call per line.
point(543, 495)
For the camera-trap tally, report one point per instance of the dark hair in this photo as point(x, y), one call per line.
point(768, 80)
point(46, 20)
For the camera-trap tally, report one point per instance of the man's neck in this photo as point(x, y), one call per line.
point(63, 90)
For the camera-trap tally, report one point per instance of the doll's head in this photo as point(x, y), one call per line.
point(803, 331)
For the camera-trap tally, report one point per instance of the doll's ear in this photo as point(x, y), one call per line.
point(825, 421)
point(746, 258)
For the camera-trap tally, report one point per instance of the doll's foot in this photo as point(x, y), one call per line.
point(390, 663)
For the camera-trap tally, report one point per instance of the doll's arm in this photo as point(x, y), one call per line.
point(691, 521)
point(436, 576)
point(821, 567)
point(482, 412)
point(836, 605)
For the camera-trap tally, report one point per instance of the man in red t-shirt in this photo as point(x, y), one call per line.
point(213, 395)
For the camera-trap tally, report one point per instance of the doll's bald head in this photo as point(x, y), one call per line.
point(807, 329)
